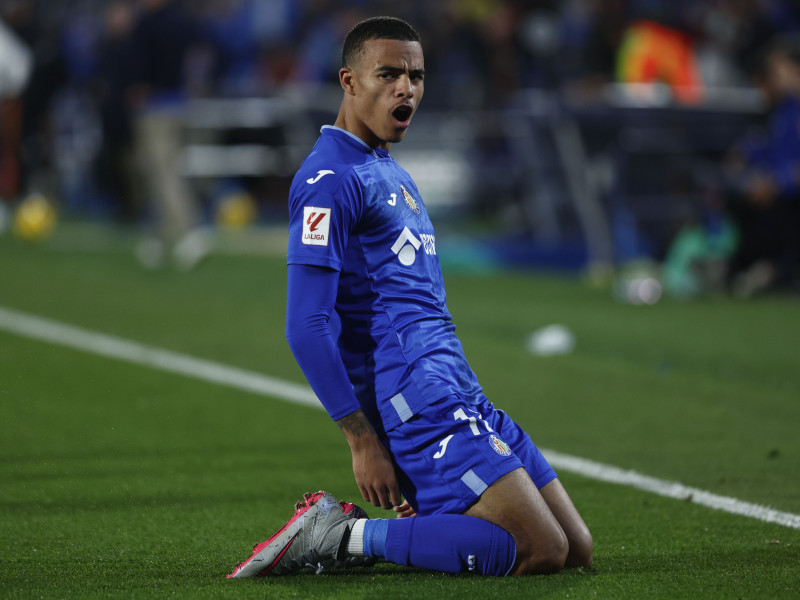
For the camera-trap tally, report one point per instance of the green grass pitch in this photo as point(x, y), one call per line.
point(120, 481)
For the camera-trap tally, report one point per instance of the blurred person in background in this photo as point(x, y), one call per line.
point(163, 43)
point(764, 172)
point(115, 166)
point(40, 31)
point(16, 63)
point(326, 22)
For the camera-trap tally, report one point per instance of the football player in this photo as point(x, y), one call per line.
point(368, 324)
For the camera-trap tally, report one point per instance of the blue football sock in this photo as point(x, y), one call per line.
point(448, 543)
point(375, 537)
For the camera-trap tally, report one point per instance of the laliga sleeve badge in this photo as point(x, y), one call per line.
point(316, 225)
point(499, 446)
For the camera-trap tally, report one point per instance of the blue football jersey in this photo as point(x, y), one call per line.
point(352, 208)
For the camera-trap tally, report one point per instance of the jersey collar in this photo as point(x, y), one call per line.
point(377, 153)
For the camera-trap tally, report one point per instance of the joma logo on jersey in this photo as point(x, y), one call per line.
point(320, 175)
point(316, 225)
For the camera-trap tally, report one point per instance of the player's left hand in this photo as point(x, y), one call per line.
point(404, 510)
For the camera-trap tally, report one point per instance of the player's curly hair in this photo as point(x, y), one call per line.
point(375, 28)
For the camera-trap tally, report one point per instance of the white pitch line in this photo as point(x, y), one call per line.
point(670, 489)
point(47, 330)
point(105, 345)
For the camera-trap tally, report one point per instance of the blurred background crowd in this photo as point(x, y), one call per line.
point(574, 134)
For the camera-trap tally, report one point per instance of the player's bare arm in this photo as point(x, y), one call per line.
point(355, 426)
point(372, 465)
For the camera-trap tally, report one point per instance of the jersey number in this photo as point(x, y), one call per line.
point(460, 415)
point(473, 421)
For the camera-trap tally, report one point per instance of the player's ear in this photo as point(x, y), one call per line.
point(346, 80)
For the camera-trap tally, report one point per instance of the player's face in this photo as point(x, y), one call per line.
point(386, 88)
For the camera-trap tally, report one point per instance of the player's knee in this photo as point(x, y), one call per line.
point(542, 555)
point(581, 550)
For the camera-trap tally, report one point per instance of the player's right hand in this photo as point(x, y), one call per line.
point(374, 472)
point(373, 466)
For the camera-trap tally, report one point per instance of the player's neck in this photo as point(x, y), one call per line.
point(345, 121)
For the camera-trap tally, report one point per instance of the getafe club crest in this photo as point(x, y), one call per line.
point(499, 446)
point(412, 204)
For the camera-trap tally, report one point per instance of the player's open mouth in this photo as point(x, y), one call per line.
point(402, 114)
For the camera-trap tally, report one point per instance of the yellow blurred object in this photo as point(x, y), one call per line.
point(34, 219)
point(237, 210)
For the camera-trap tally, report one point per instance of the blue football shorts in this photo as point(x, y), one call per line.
point(450, 452)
